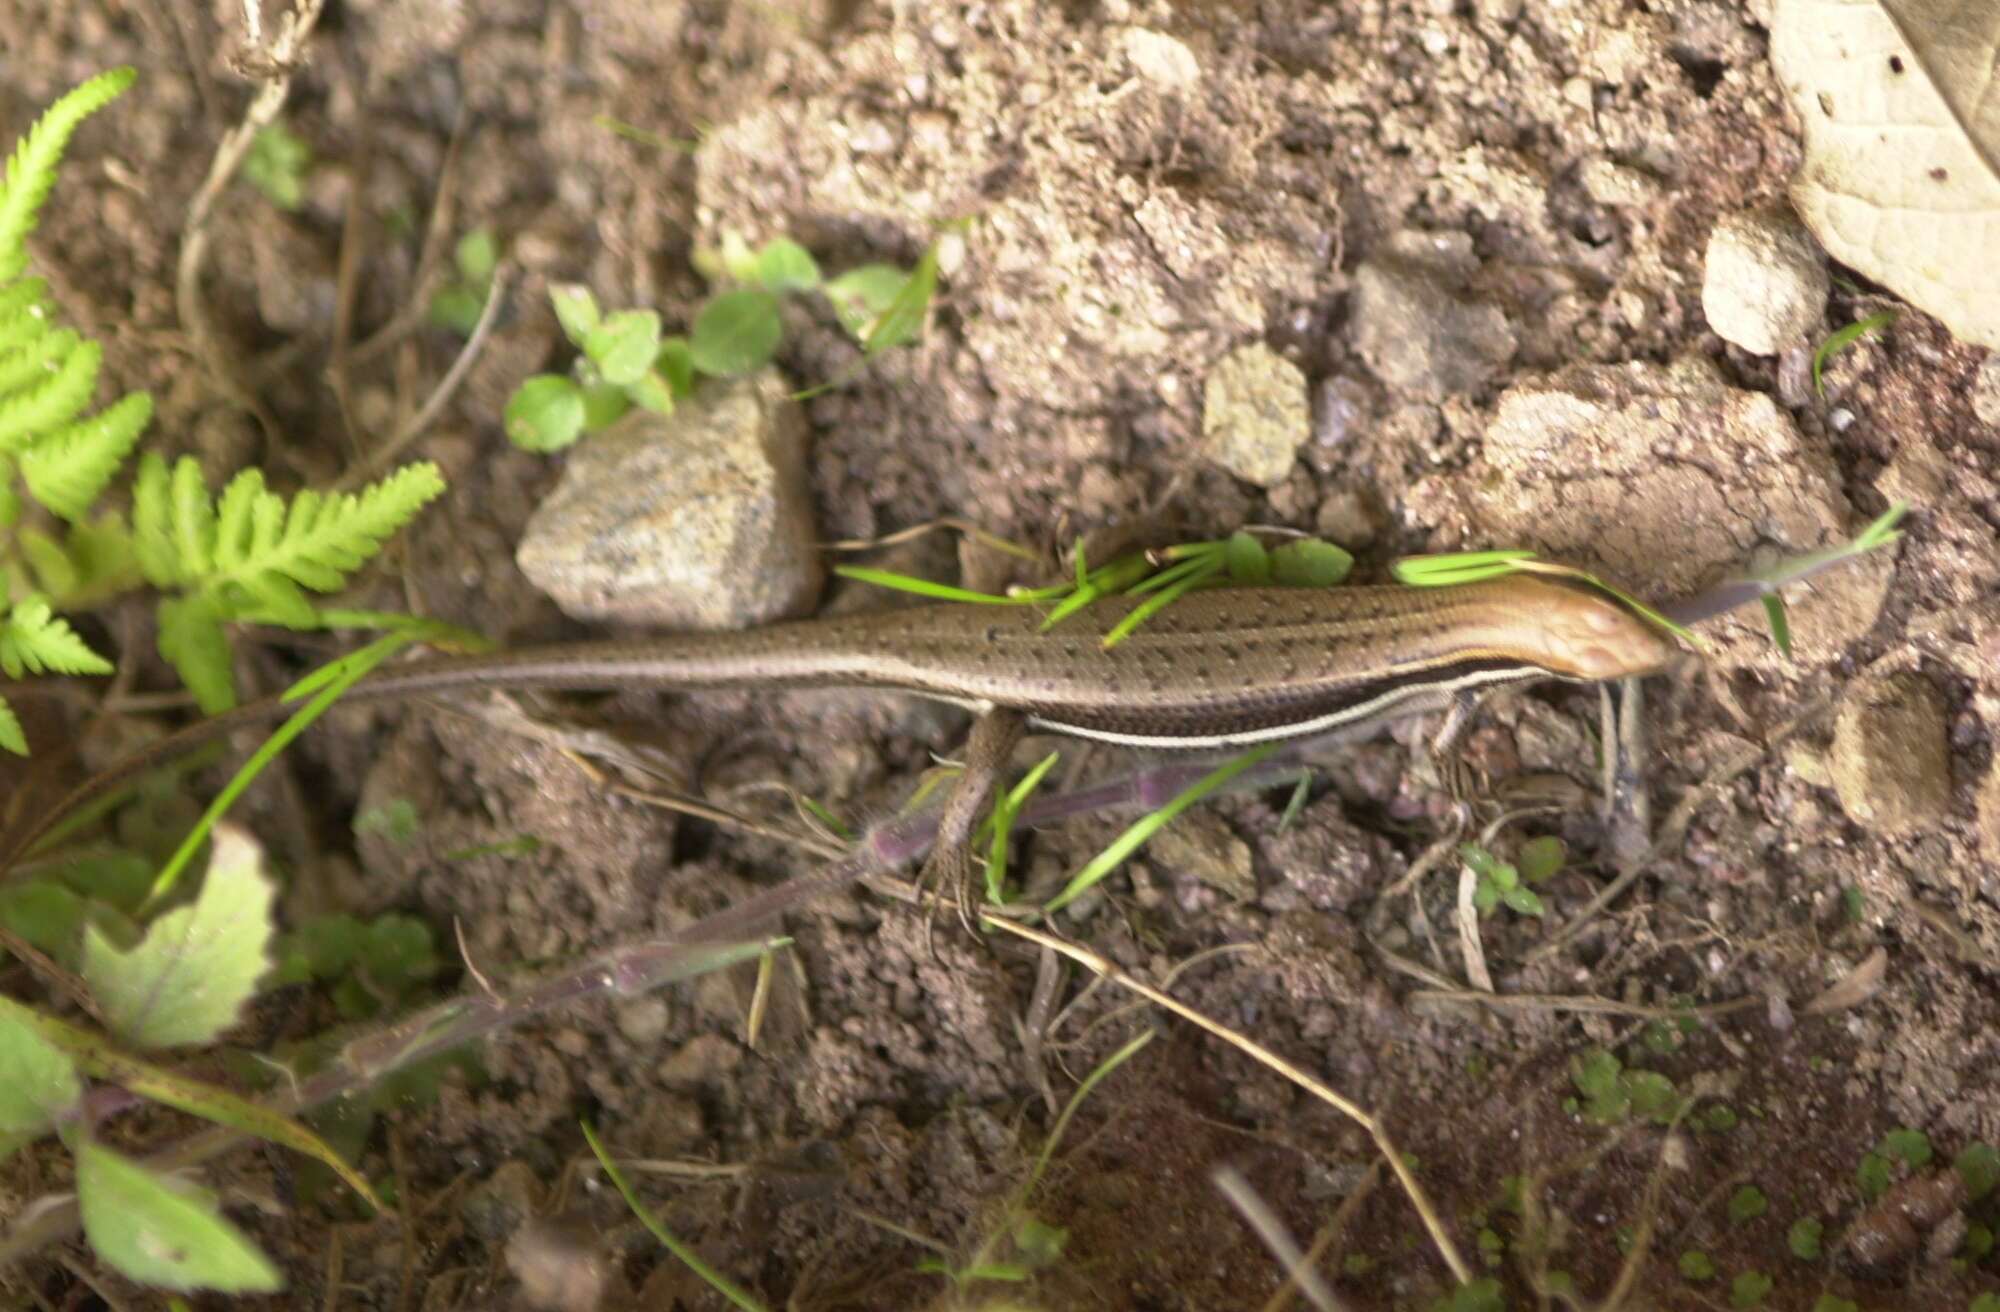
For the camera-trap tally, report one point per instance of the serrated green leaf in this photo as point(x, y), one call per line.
point(32, 365)
point(546, 413)
point(33, 641)
point(576, 310)
point(54, 572)
point(785, 266)
point(624, 345)
point(860, 295)
point(192, 522)
point(11, 736)
point(152, 511)
point(736, 333)
point(54, 399)
point(37, 1080)
point(32, 170)
point(190, 638)
point(903, 321)
point(189, 977)
point(163, 1231)
point(68, 469)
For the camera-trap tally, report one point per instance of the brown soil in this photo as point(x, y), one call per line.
point(1153, 185)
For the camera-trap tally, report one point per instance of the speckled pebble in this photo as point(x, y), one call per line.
point(1415, 327)
point(1255, 415)
point(698, 520)
point(1890, 763)
point(1764, 281)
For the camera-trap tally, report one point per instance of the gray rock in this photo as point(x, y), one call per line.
point(698, 520)
point(1255, 415)
point(1986, 391)
point(1764, 281)
point(1891, 763)
point(1416, 329)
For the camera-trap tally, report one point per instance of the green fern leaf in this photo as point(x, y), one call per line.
point(268, 598)
point(33, 169)
point(152, 514)
point(192, 641)
point(33, 365)
point(324, 537)
point(24, 315)
point(55, 573)
point(68, 469)
point(56, 397)
point(192, 521)
point(33, 640)
point(11, 736)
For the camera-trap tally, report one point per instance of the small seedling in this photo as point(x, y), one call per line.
point(1747, 1204)
point(1696, 1265)
point(276, 165)
point(1611, 1092)
point(1842, 338)
point(1750, 1289)
point(1474, 1296)
point(1804, 1238)
point(1507, 883)
point(458, 304)
point(625, 360)
point(1978, 1165)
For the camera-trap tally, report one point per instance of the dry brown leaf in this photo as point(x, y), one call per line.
point(1900, 100)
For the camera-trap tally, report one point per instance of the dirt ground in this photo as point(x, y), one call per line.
point(1153, 185)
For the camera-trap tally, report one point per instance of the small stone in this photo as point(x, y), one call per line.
point(1765, 281)
point(697, 520)
point(503, 1202)
point(1345, 520)
point(1414, 327)
point(1324, 861)
point(1200, 844)
point(702, 1059)
point(643, 1020)
point(1160, 59)
point(1988, 828)
point(1255, 416)
point(560, 1264)
point(1986, 391)
point(1891, 764)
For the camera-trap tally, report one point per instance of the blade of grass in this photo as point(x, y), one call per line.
point(1146, 826)
point(715, 1280)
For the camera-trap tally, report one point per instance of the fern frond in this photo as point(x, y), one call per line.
point(68, 468)
point(191, 639)
point(151, 541)
point(323, 538)
point(11, 736)
point(33, 639)
point(32, 171)
point(56, 398)
point(34, 360)
point(24, 314)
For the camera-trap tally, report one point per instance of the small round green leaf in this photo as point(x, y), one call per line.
point(1540, 858)
point(545, 413)
point(576, 310)
point(604, 405)
point(785, 266)
point(1246, 560)
point(736, 333)
point(624, 345)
